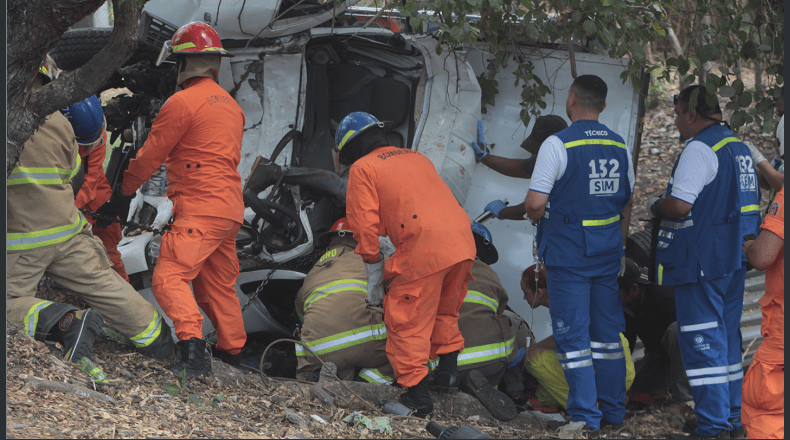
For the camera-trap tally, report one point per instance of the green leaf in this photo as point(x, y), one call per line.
point(768, 125)
point(576, 16)
point(194, 399)
point(745, 99)
point(607, 2)
point(182, 378)
point(727, 92)
point(738, 118)
point(172, 389)
point(589, 27)
point(532, 31)
point(738, 86)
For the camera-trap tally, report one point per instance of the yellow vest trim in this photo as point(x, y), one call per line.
point(723, 142)
point(595, 142)
point(603, 222)
point(31, 240)
point(750, 208)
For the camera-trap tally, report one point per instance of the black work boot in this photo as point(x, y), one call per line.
point(161, 348)
point(76, 331)
point(445, 376)
point(263, 174)
point(191, 356)
point(234, 360)
point(496, 402)
point(418, 398)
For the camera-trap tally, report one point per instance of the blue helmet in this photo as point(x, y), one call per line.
point(87, 119)
point(355, 124)
point(484, 244)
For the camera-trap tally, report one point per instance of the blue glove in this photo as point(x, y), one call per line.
point(480, 146)
point(495, 207)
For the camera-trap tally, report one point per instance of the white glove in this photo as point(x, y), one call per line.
point(622, 266)
point(650, 204)
point(375, 273)
point(757, 157)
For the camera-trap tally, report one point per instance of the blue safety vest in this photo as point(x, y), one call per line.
point(581, 225)
point(707, 243)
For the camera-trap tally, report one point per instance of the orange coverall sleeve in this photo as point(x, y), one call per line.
point(362, 209)
point(167, 130)
point(95, 190)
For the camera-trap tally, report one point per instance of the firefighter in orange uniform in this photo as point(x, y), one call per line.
point(87, 120)
point(398, 193)
point(763, 409)
point(198, 135)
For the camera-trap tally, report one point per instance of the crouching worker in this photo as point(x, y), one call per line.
point(197, 134)
point(48, 236)
point(338, 324)
point(398, 193)
point(541, 360)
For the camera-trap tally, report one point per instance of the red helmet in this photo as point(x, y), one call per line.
point(195, 38)
point(340, 227)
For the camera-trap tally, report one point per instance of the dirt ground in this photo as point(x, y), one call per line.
point(234, 404)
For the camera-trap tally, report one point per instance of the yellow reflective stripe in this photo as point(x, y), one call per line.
point(76, 167)
point(42, 175)
point(475, 297)
point(349, 133)
point(373, 375)
point(595, 142)
point(603, 222)
point(44, 70)
point(149, 335)
point(660, 273)
point(31, 240)
point(723, 142)
point(31, 319)
point(484, 353)
point(333, 287)
point(183, 46)
point(749, 208)
point(344, 340)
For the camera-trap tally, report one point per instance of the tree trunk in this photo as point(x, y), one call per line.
point(34, 27)
point(677, 49)
point(758, 78)
point(703, 38)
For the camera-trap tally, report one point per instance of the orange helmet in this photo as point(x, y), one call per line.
point(340, 227)
point(195, 38)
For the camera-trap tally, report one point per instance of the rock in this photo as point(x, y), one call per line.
point(571, 430)
point(662, 130)
point(676, 422)
point(654, 151)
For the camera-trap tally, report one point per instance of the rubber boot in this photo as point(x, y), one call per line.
point(192, 356)
point(234, 360)
point(418, 398)
point(263, 174)
point(445, 376)
point(496, 402)
point(76, 331)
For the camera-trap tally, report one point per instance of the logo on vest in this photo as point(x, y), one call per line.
point(561, 329)
point(699, 343)
point(596, 133)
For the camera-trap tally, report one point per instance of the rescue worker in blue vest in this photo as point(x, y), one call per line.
point(581, 195)
point(699, 251)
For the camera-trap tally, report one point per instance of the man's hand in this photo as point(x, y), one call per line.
point(495, 207)
point(622, 266)
point(375, 273)
point(117, 206)
point(480, 146)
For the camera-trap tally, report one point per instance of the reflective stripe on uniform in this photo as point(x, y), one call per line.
point(344, 340)
point(473, 296)
point(737, 369)
point(696, 327)
point(374, 376)
point(36, 239)
point(723, 142)
point(677, 225)
point(149, 335)
point(750, 208)
point(42, 175)
point(573, 354)
point(333, 287)
point(708, 381)
point(607, 221)
point(609, 356)
point(660, 271)
point(607, 345)
point(31, 319)
point(579, 364)
point(485, 353)
point(595, 142)
point(708, 371)
point(666, 234)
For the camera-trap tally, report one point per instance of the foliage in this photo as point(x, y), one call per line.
point(176, 389)
point(720, 31)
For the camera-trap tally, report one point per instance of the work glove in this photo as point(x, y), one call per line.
point(757, 157)
point(480, 146)
point(117, 206)
point(375, 273)
point(650, 204)
point(495, 207)
point(622, 266)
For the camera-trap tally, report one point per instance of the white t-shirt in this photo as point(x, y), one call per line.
point(551, 164)
point(696, 168)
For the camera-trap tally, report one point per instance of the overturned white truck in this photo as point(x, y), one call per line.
point(296, 73)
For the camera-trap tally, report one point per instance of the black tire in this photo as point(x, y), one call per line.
point(77, 46)
point(637, 247)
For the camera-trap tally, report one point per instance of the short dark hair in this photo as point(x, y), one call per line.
point(702, 107)
point(591, 91)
